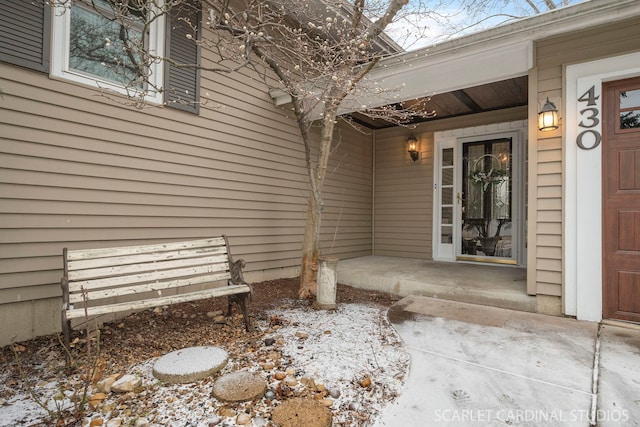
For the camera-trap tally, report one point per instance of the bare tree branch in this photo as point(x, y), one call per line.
point(318, 52)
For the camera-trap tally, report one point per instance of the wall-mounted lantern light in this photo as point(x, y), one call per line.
point(412, 147)
point(548, 117)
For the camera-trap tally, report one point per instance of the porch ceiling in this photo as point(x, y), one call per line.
point(477, 99)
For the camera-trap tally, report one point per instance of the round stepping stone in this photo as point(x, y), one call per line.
point(190, 364)
point(239, 387)
point(302, 412)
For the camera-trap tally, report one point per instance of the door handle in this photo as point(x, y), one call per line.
point(458, 198)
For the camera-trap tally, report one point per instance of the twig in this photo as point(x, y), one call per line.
point(30, 390)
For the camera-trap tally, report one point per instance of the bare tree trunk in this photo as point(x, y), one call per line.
point(311, 243)
point(308, 274)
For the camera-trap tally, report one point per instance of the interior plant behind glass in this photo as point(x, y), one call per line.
point(486, 208)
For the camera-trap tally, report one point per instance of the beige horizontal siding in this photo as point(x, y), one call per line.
point(80, 170)
point(404, 189)
point(403, 204)
point(597, 42)
point(348, 203)
point(551, 56)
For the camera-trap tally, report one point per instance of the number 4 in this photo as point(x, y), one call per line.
point(589, 96)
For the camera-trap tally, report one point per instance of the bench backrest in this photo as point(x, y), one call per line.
point(97, 274)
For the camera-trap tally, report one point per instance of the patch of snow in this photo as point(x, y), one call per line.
point(21, 410)
point(337, 348)
point(342, 348)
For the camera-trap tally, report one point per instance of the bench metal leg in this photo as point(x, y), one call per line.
point(66, 331)
point(241, 300)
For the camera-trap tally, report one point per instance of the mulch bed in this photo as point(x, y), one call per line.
point(152, 333)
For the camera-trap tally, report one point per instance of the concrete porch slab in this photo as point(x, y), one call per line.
point(497, 286)
point(619, 385)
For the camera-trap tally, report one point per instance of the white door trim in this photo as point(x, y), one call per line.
point(440, 251)
point(583, 187)
point(455, 138)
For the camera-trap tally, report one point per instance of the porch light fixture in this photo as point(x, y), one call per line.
point(412, 144)
point(548, 117)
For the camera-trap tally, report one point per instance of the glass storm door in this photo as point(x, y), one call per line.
point(486, 200)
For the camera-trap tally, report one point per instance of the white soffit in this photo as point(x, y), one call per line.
point(444, 73)
point(496, 54)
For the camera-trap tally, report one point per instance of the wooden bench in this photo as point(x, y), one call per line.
point(108, 280)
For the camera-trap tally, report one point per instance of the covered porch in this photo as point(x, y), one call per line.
point(496, 286)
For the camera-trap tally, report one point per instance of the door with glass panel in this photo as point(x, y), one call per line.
point(445, 243)
point(485, 197)
point(621, 200)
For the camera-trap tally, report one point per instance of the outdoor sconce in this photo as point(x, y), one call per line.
point(412, 144)
point(548, 117)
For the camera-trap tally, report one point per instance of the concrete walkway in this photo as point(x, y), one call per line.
point(497, 286)
point(486, 366)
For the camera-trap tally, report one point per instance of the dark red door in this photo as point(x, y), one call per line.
point(621, 200)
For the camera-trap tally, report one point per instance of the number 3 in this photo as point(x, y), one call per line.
point(589, 121)
point(593, 117)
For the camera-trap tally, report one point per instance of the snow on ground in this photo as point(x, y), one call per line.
point(340, 349)
point(345, 347)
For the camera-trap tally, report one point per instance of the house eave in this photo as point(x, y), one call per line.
point(552, 23)
point(471, 60)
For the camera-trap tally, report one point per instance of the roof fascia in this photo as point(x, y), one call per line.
point(556, 22)
point(471, 60)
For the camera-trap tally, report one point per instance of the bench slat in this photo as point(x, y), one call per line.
point(156, 302)
point(128, 269)
point(94, 284)
point(85, 264)
point(133, 250)
point(147, 287)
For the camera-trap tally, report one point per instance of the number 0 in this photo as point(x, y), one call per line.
point(597, 138)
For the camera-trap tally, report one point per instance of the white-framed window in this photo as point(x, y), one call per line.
point(91, 46)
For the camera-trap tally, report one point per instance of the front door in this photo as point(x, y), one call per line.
point(621, 200)
point(486, 198)
point(478, 197)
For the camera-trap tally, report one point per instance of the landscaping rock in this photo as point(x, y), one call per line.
point(290, 380)
point(126, 384)
point(105, 384)
point(243, 419)
point(302, 412)
point(190, 364)
point(213, 314)
point(239, 387)
point(260, 422)
point(142, 422)
point(267, 366)
point(96, 399)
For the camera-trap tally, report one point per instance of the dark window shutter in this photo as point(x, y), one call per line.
point(182, 85)
point(25, 31)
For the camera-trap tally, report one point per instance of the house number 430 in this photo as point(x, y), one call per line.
point(589, 138)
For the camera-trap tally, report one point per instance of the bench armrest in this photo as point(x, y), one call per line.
point(235, 270)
